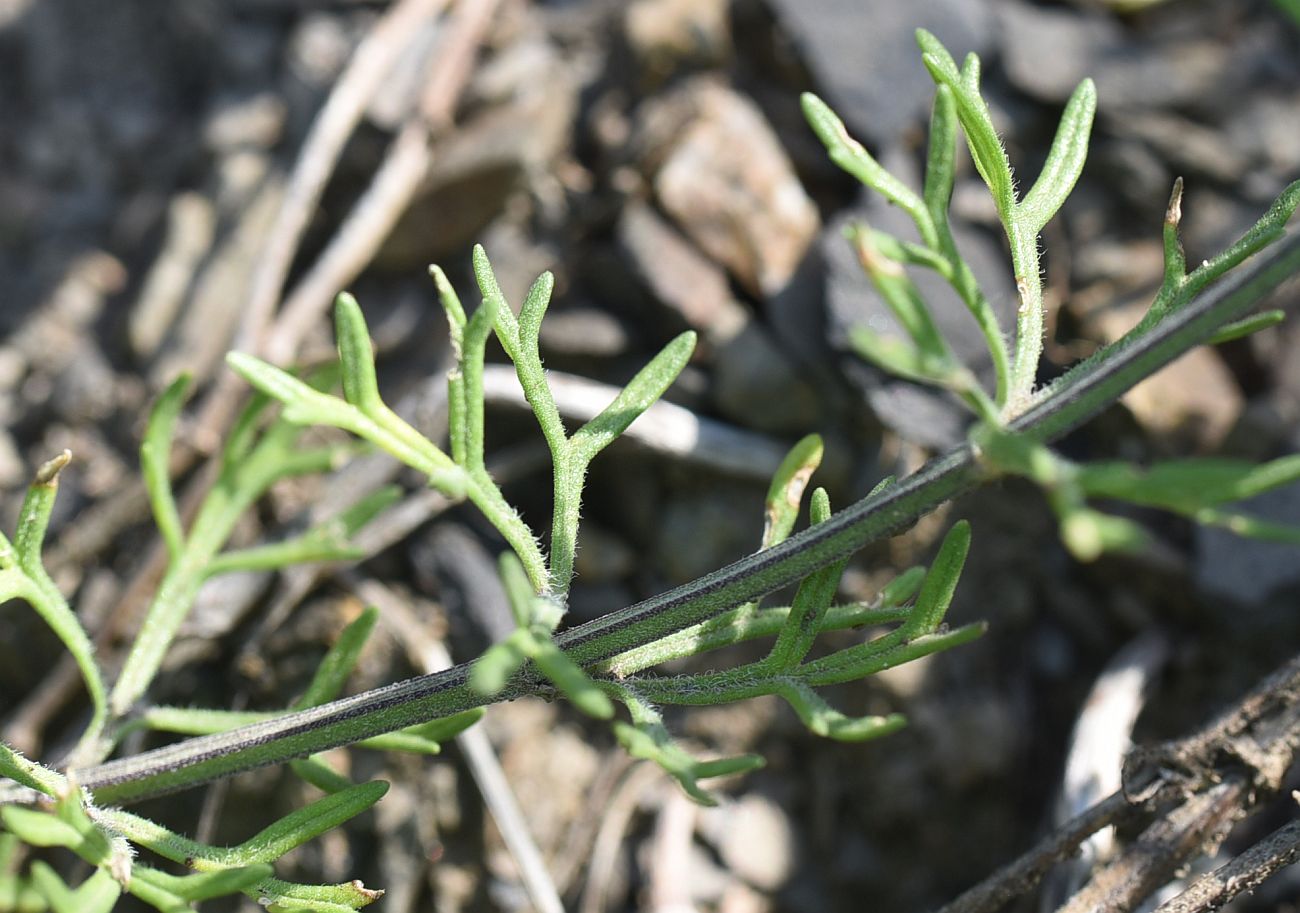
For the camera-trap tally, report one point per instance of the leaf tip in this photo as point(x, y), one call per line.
point(48, 473)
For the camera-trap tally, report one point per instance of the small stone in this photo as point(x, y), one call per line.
point(667, 35)
point(477, 169)
point(583, 331)
point(677, 275)
point(755, 381)
point(727, 182)
point(1248, 571)
point(1047, 51)
point(838, 38)
point(1194, 402)
point(256, 120)
point(754, 838)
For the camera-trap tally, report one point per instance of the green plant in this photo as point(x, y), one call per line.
point(607, 662)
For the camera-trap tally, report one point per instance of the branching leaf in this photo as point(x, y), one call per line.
point(647, 739)
point(985, 146)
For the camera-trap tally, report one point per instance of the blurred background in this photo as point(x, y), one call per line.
point(180, 179)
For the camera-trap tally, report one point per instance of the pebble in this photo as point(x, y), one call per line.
point(1193, 402)
point(755, 382)
point(865, 61)
point(1247, 572)
point(670, 35)
point(725, 179)
point(754, 838)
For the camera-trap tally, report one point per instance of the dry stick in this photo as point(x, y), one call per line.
point(1245, 873)
point(609, 839)
point(1023, 875)
point(399, 176)
point(364, 75)
point(370, 64)
point(432, 656)
point(1193, 828)
point(664, 427)
point(1177, 769)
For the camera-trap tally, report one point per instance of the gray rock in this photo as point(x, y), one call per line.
point(1047, 51)
point(755, 382)
point(668, 35)
point(1247, 571)
point(865, 59)
point(754, 838)
point(721, 173)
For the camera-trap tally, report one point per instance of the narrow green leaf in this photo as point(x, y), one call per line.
point(970, 73)
point(519, 591)
point(451, 305)
point(1089, 533)
point(1186, 485)
point(1246, 326)
point(819, 509)
point(498, 663)
point(29, 773)
point(641, 392)
point(573, 683)
point(506, 325)
point(319, 774)
point(1248, 526)
point(243, 433)
point(360, 388)
point(39, 828)
point(1065, 160)
point(477, 332)
point(905, 252)
point(277, 383)
point(903, 298)
point(297, 827)
point(287, 897)
point(534, 309)
point(941, 160)
point(824, 720)
point(34, 515)
point(940, 583)
point(785, 493)
point(155, 460)
point(981, 136)
point(203, 885)
point(902, 588)
point(97, 894)
point(40, 592)
point(897, 356)
point(649, 741)
point(339, 661)
point(851, 156)
point(1270, 227)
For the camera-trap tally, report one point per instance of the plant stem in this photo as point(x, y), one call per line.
point(1074, 399)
